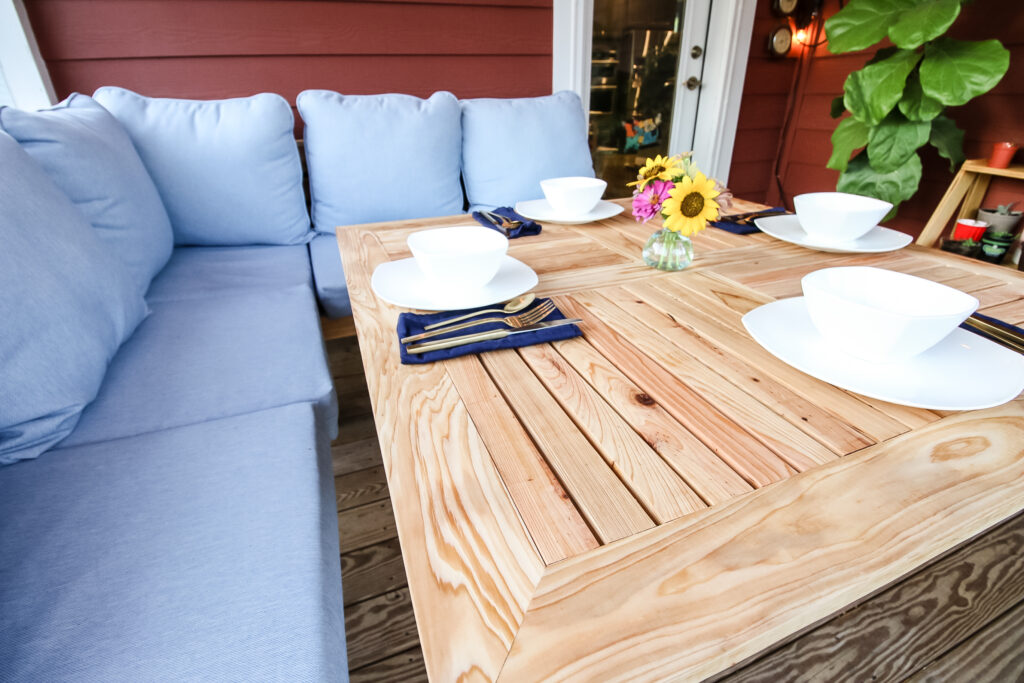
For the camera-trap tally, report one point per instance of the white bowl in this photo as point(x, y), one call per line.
point(461, 256)
point(573, 195)
point(838, 217)
point(881, 315)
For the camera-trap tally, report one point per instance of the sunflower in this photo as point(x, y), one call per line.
point(690, 205)
point(658, 168)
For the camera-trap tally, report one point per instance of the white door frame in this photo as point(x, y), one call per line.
point(730, 25)
point(21, 65)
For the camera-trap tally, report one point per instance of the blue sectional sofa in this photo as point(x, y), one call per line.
point(167, 508)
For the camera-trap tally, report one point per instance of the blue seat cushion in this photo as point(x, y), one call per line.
point(200, 272)
point(201, 359)
point(329, 276)
point(66, 305)
point(228, 171)
point(203, 553)
point(91, 158)
point(381, 157)
point(510, 145)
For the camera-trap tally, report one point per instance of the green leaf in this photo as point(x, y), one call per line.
point(948, 139)
point(956, 71)
point(923, 22)
point(837, 107)
point(872, 92)
point(917, 106)
point(849, 135)
point(894, 140)
point(862, 23)
point(895, 187)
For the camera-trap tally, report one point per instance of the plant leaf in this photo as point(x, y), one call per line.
point(849, 135)
point(895, 187)
point(917, 106)
point(948, 139)
point(862, 23)
point(923, 22)
point(956, 71)
point(894, 140)
point(872, 92)
point(837, 107)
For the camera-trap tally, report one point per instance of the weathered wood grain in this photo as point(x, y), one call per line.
point(372, 571)
point(898, 631)
point(365, 525)
point(384, 625)
point(405, 667)
point(360, 487)
point(692, 598)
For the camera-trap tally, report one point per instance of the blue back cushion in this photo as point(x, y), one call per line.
point(228, 171)
point(381, 157)
point(66, 305)
point(91, 158)
point(510, 145)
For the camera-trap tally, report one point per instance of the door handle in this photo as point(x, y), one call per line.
point(692, 83)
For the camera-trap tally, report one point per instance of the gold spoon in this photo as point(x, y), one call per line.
point(511, 306)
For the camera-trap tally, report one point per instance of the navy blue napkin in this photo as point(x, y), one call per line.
point(742, 223)
point(413, 323)
point(991, 321)
point(528, 227)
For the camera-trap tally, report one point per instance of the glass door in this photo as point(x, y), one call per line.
point(634, 67)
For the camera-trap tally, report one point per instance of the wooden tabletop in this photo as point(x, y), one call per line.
point(599, 508)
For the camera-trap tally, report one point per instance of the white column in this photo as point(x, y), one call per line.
point(22, 68)
point(571, 34)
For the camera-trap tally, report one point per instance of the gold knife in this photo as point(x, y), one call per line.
point(1005, 337)
point(486, 336)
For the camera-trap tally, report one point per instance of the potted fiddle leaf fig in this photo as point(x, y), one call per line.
point(898, 99)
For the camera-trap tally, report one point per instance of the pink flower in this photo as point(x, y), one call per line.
point(647, 202)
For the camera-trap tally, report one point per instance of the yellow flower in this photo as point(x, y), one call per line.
point(658, 168)
point(690, 205)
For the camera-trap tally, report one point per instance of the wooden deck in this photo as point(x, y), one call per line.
point(382, 640)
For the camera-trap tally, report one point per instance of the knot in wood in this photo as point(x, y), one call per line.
point(644, 400)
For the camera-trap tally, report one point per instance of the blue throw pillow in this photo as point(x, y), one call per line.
point(510, 145)
point(381, 157)
point(91, 158)
point(228, 171)
point(66, 305)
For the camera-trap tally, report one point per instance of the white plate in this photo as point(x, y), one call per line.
point(878, 239)
point(541, 210)
point(962, 372)
point(402, 283)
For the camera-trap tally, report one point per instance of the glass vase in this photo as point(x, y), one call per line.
point(668, 250)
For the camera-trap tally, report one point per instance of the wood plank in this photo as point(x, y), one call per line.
point(940, 218)
point(352, 456)
point(694, 597)
point(360, 487)
point(1012, 312)
point(406, 667)
point(379, 627)
point(704, 471)
point(720, 305)
point(609, 508)
point(652, 482)
point(898, 631)
point(337, 328)
point(372, 571)
point(734, 445)
point(471, 566)
point(555, 525)
point(365, 525)
point(994, 655)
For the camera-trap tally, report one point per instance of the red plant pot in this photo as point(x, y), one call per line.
point(967, 229)
point(1002, 152)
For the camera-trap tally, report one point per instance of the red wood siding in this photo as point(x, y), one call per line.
point(229, 48)
point(806, 139)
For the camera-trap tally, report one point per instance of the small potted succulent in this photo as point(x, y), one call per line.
point(966, 247)
point(994, 246)
point(1000, 219)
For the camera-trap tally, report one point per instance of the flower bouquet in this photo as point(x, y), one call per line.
point(686, 199)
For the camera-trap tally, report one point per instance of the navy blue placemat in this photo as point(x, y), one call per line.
point(528, 227)
point(742, 223)
point(413, 323)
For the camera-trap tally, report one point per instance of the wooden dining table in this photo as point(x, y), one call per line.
point(661, 498)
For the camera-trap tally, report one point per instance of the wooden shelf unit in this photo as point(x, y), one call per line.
point(966, 191)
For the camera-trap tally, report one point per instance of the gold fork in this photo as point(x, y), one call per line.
point(534, 315)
